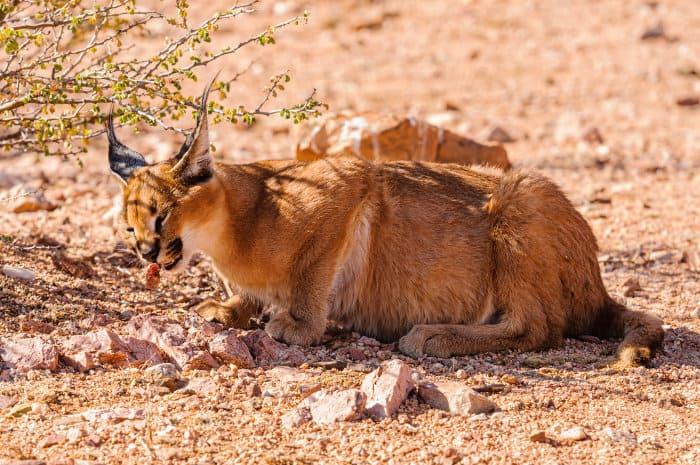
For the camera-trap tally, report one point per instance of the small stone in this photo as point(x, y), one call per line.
point(72, 266)
point(620, 435)
point(7, 402)
point(328, 408)
point(631, 287)
point(387, 387)
point(329, 365)
point(456, 398)
point(21, 274)
point(576, 433)
point(29, 325)
point(655, 32)
point(74, 435)
point(690, 101)
point(288, 375)
point(500, 135)
point(51, 440)
point(164, 374)
point(295, 418)
point(204, 386)
point(253, 390)
point(695, 313)
point(540, 437)
point(510, 379)
point(479, 417)
point(534, 362)
point(461, 374)
point(369, 341)
point(592, 136)
point(19, 410)
point(228, 348)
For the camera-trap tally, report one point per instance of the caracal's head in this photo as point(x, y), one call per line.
point(165, 204)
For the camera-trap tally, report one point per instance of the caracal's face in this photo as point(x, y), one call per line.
point(162, 202)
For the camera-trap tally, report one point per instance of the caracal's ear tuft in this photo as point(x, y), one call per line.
point(123, 161)
point(195, 164)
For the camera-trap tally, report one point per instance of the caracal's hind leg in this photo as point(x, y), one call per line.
point(521, 328)
point(234, 312)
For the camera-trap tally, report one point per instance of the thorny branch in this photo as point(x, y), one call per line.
point(63, 61)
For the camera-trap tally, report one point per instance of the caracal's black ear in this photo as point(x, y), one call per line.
point(195, 163)
point(122, 160)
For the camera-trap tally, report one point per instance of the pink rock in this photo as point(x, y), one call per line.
point(32, 353)
point(113, 415)
point(82, 361)
point(267, 351)
point(387, 387)
point(102, 340)
point(144, 351)
point(328, 408)
point(455, 397)
point(83, 352)
point(29, 325)
point(228, 348)
point(170, 337)
point(353, 353)
point(51, 440)
point(295, 418)
point(197, 324)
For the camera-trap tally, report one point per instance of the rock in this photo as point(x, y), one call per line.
point(226, 347)
point(21, 274)
point(144, 351)
point(534, 361)
point(7, 402)
point(328, 408)
point(690, 101)
point(295, 418)
point(620, 435)
point(510, 379)
point(73, 435)
point(655, 32)
point(164, 374)
point(205, 386)
point(592, 136)
point(170, 337)
point(369, 341)
point(289, 375)
point(540, 437)
point(29, 325)
point(112, 415)
point(267, 351)
point(32, 353)
point(19, 410)
point(576, 433)
point(631, 287)
point(51, 440)
point(385, 137)
point(353, 353)
point(500, 135)
point(23, 199)
point(102, 346)
point(253, 390)
point(455, 397)
point(330, 365)
point(387, 387)
point(72, 266)
point(692, 258)
point(196, 324)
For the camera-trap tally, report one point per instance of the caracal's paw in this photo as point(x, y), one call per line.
point(283, 327)
point(425, 340)
point(230, 313)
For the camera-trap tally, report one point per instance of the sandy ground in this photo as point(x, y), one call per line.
point(547, 72)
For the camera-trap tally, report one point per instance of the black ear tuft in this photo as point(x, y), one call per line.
point(194, 162)
point(123, 161)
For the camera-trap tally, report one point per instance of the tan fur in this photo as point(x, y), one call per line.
point(447, 260)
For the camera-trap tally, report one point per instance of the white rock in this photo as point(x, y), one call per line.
point(327, 408)
point(576, 433)
point(22, 274)
point(387, 387)
point(456, 398)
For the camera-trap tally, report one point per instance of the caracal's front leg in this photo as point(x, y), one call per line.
point(304, 322)
point(234, 312)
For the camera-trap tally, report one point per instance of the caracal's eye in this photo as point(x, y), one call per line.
point(159, 224)
point(130, 229)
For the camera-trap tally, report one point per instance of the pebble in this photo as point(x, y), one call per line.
point(165, 374)
point(576, 433)
point(21, 274)
point(500, 135)
point(456, 398)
